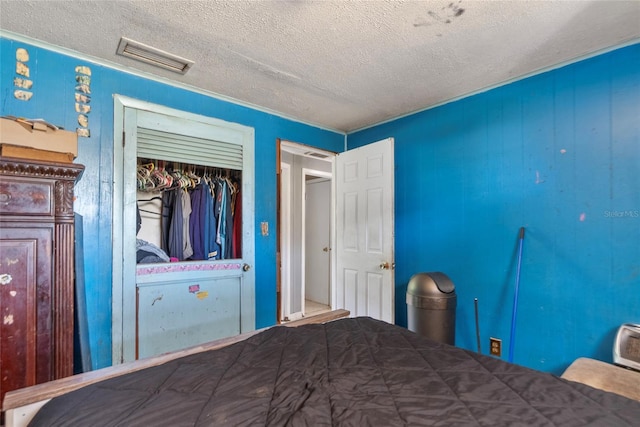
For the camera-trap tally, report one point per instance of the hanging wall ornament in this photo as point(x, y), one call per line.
point(22, 69)
point(22, 95)
point(85, 133)
point(82, 99)
point(82, 108)
point(83, 69)
point(22, 81)
point(22, 55)
point(83, 120)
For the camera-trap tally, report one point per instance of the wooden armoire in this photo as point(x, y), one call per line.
point(36, 271)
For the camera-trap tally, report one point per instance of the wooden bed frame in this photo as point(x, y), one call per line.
point(605, 376)
point(20, 406)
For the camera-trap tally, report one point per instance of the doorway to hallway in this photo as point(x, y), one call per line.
point(305, 231)
point(361, 250)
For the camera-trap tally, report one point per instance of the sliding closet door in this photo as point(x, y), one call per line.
point(164, 307)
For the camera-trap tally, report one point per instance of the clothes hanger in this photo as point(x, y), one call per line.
point(153, 213)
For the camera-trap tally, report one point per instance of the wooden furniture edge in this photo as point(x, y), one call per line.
point(604, 376)
point(45, 391)
point(319, 318)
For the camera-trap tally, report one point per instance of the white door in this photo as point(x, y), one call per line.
point(364, 281)
point(317, 240)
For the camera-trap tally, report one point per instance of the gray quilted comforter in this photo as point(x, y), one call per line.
point(350, 372)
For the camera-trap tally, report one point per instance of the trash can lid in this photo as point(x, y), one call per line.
point(430, 284)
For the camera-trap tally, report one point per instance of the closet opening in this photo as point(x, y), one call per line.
point(179, 294)
point(187, 212)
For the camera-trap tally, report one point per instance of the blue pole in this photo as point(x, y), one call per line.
point(515, 296)
point(477, 326)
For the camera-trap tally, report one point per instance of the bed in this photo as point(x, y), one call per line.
point(350, 371)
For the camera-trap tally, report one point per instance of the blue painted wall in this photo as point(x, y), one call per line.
point(557, 153)
point(53, 75)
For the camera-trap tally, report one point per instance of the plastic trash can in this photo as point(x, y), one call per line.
point(431, 307)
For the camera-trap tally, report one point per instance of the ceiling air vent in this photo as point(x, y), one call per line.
point(153, 56)
point(316, 154)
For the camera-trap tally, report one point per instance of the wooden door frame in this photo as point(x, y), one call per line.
point(285, 235)
point(278, 223)
point(279, 144)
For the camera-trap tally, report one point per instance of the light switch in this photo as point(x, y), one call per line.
point(264, 226)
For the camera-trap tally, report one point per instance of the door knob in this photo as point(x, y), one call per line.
point(325, 249)
point(385, 266)
point(246, 267)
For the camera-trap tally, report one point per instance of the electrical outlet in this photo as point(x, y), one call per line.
point(495, 347)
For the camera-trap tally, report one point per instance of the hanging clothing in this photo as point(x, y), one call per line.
point(168, 200)
point(223, 237)
point(176, 236)
point(187, 250)
point(237, 227)
point(138, 219)
point(229, 224)
point(202, 222)
point(198, 213)
point(196, 226)
point(217, 204)
point(209, 229)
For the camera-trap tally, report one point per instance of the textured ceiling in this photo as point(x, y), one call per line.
point(343, 65)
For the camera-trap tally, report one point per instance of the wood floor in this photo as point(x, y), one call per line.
point(312, 308)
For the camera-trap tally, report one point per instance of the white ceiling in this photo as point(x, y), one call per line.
point(342, 65)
